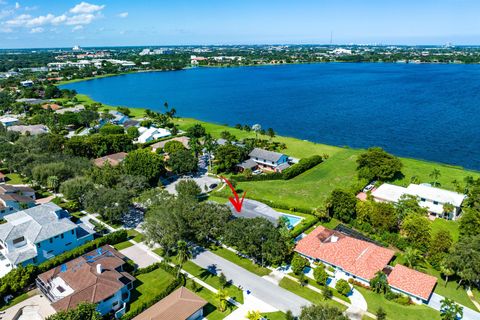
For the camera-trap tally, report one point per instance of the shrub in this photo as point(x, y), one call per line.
point(302, 166)
point(299, 263)
point(343, 287)
point(320, 275)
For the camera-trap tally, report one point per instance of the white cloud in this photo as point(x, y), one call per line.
point(80, 19)
point(37, 30)
point(17, 5)
point(123, 15)
point(85, 7)
point(77, 28)
point(5, 29)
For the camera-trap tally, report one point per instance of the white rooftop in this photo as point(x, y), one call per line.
point(436, 194)
point(389, 192)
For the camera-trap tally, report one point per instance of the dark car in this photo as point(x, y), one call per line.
point(213, 186)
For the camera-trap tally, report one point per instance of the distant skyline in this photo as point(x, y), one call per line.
point(65, 23)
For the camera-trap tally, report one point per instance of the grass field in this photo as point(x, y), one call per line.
point(14, 178)
point(134, 112)
point(397, 311)
point(275, 315)
point(308, 294)
point(132, 235)
point(242, 262)
point(148, 285)
point(210, 311)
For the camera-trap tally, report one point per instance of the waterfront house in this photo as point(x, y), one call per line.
point(182, 304)
point(151, 134)
point(34, 129)
point(8, 121)
point(118, 117)
point(113, 159)
point(15, 198)
point(96, 277)
point(26, 83)
point(360, 260)
point(431, 198)
point(35, 235)
point(269, 160)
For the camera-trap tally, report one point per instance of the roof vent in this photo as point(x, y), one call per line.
point(99, 268)
point(333, 238)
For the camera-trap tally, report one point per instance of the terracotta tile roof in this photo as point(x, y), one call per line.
point(357, 257)
point(52, 106)
point(2, 175)
point(179, 305)
point(80, 274)
point(411, 281)
point(114, 159)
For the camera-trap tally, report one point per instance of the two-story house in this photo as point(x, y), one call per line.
point(35, 235)
point(269, 160)
point(15, 198)
point(97, 277)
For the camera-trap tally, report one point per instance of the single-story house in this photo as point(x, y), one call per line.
point(113, 159)
point(160, 145)
point(151, 134)
point(118, 117)
point(8, 121)
point(182, 304)
point(96, 277)
point(34, 129)
point(360, 260)
point(268, 160)
point(431, 198)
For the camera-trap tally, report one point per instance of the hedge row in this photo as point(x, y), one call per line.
point(19, 279)
point(178, 282)
point(303, 225)
point(287, 174)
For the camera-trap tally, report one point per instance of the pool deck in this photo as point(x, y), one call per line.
point(257, 209)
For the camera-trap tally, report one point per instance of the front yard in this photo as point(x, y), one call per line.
point(148, 285)
point(210, 311)
point(242, 262)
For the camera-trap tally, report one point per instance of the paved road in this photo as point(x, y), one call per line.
point(468, 314)
point(260, 288)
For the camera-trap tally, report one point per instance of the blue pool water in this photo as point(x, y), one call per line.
point(292, 220)
point(427, 111)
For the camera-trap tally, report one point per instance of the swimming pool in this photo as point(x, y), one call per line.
point(292, 220)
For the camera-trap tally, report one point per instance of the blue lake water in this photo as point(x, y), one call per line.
point(426, 111)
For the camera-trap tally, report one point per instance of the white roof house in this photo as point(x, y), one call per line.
point(150, 134)
point(431, 198)
point(8, 121)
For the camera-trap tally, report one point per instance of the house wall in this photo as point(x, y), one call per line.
point(106, 306)
point(197, 315)
point(54, 246)
point(414, 299)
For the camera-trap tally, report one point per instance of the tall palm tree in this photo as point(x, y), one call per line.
point(253, 315)
point(183, 254)
point(435, 174)
point(210, 145)
point(446, 271)
point(222, 300)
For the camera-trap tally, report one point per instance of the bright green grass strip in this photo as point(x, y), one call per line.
point(14, 178)
point(397, 311)
point(210, 311)
point(242, 262)
point(313, 283)
point(149, 285)
point(275, 315)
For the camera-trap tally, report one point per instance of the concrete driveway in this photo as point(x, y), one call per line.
point(260, 288)
point(139, 255)
point(201, 179)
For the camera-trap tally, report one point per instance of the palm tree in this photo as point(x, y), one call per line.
point(210, 145)
point(446, 271)
point(222, 300)
point(435, 174)
point(183, 254)
point(448, 209)
point(413, 257)
point(449, 310)
point(253, 315)
point(53, 183)
point(414, 179)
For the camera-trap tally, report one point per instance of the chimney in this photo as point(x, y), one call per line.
point(99, 268)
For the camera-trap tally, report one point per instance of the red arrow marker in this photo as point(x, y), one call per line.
point(236, 202)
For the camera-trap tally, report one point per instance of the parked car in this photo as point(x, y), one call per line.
point(257, 172)
point(213, 186)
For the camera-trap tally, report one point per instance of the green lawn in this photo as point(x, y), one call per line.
point(212, 280)
point(132, 235)
point(134, 112)
point(397, 311)
point(242, 262)
point(210, 311)
point(14, 178)
point(318, 286)
point(148, 285)
point(449, 225)
point(275, 315)
point(308, 294)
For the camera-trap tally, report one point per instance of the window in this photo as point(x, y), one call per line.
point(56, 237)
point(435, 202)
point(39, 245)
point(62, 236)
point(50, 240)
point(60, 289)
point(18, 240)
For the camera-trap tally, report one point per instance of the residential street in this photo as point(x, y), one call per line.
point(468, 314)
point(260, 288)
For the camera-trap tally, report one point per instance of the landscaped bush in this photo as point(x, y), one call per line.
point(303, 225)
point(299, 263)
point(343, 287)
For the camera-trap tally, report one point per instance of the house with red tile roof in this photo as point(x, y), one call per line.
point(360, 260)
point(112, 159)
point(419, 286)
point(2, 177)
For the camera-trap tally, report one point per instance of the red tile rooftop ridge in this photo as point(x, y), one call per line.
point(411, 281)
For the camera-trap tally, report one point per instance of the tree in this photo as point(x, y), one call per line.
point(321, 312)
point(188, 189)
point(288, 314)
point(413, 257)
point(173, 146)
point(343, 287)
point(111, 129)
point(53, 183)
point(464, 259)
point(253, 315)
point(342, 205)
point(469, 223)
point(196, 131)
point(320, 275)
point(298, 264)
point(448, 210)
point(222, 300)
point(446, 269)
point(256, 128)
point(52, 92)
point(110, 203)
point(271, 133)
point(133, 132)
point(75, 189)
point(227, 157)
point(183, 254)
point(379, 283)
point(375, 163)
point(441, 243)
point(222, 280)
point(182, 162)
point(327, 293)
point(381, 314)
point(247, 173)
point(145, 163)
point(84, 311)
point(435, 174)
point(302, 279)
point(407, 205)
point(449, 310)
point(416, 229)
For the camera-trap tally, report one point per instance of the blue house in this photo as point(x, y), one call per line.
point(35, 235)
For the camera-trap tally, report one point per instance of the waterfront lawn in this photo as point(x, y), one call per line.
point(210, 311)
point(213, 280)
point(240, 261)
point(134, 112)
point(149, 285)
point(448, 225)
point(397, 311)
point(308, 294)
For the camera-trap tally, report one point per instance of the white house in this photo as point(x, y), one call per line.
point(38, 234)
point(8, 121)
point(431, 198)
point(151, 134)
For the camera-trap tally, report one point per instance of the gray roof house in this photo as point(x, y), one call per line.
point(33, 129)
point(37, 234)
point(269, 160)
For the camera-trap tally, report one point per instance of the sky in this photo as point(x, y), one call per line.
point(65, 23)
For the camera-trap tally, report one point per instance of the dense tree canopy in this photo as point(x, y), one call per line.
point(173, 146)
point(227, 157)
point(342, 205)
point(84, 311)
point(182, 162)
point(417, 229)
point(375, 163)
point(145, 163)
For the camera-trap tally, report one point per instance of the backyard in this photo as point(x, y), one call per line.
point(210, 311)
